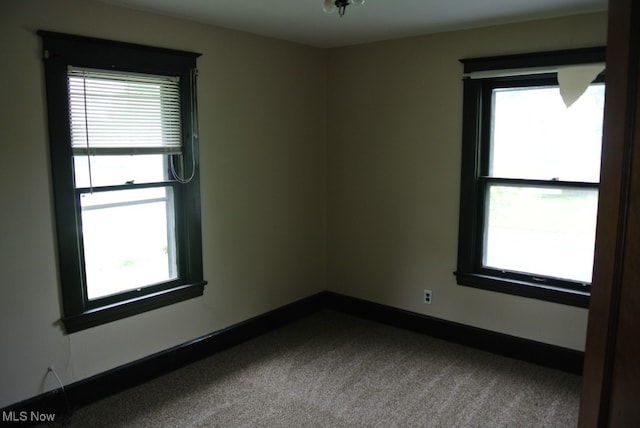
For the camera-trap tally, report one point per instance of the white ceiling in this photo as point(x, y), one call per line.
point(305, 22)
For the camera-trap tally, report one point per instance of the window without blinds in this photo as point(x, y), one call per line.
point(542, 182)
point(123, 113)
point(532, 138)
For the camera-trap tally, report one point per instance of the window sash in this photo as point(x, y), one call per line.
point(565, 128)
point(120, 113)
point(107, 250)
point(538, 276)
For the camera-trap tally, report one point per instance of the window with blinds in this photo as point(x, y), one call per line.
point(124, 167)
point(116, 113)
point(124, 128)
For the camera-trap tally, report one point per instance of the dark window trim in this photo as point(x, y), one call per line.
point(476, 126)
point(59, 51)
point(535, 59)
point(133, 306)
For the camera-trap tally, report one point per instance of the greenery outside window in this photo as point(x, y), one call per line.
point(530, 174)
point(124, 156)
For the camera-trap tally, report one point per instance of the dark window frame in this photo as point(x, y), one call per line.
point(474, 180)
point(60, 51)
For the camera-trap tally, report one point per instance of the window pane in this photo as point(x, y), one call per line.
point(115, 170)
point(541, 231)
point(129, 239)
point(535, 136)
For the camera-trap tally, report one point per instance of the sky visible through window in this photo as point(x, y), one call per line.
point(127, 241)
point(546, 231)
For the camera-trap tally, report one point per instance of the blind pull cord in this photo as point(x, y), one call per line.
point(86, 128)
point(193, 134)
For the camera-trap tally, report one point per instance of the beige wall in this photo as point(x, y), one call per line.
point(394, 141)
point(379, 145)
point(262, 134)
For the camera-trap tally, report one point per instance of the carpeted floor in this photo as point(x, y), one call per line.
point(333, 370)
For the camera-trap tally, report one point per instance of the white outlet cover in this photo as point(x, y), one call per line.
point(428, 297)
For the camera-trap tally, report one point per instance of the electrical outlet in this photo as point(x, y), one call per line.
point(427, 297)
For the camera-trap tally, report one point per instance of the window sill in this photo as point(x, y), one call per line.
point(138, 305)
point(524, 289)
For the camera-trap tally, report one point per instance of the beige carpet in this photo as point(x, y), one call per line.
point(333, 370)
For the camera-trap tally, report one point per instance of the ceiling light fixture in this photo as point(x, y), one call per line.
point(330, 6)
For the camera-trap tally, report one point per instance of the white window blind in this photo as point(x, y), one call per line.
point(117, 113)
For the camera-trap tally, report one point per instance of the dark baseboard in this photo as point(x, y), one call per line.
point(543, 354)
point(86, 391)
point(102, 385)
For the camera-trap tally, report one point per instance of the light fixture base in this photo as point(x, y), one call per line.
point(331, 6)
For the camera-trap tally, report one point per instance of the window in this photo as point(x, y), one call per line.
point(124, 156)
point(530, 173)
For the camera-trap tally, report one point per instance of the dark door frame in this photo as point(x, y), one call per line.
point(611, 382)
